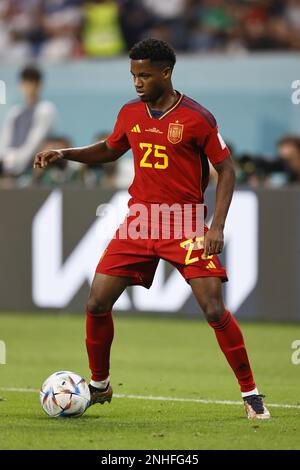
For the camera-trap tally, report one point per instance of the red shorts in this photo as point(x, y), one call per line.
point(138, 259)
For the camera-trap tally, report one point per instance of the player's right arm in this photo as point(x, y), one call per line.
point(104, 151)
point(95, 154)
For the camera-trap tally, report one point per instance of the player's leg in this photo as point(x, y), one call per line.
point(104, 292)
point(208, 292)
point(125, 261)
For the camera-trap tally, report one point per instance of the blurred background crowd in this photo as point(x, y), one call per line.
point(55, 31)
point(59, 30)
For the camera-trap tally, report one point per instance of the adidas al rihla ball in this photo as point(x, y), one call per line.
point(65, 394)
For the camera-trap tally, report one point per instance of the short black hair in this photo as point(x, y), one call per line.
point(31, 73)
point(154, 50)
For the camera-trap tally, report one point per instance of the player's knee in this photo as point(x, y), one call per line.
point(98, 306)
point(213, 309)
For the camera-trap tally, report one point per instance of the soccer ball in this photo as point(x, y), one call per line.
point(65, 394)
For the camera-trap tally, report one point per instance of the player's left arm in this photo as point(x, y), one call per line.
point(214, 238)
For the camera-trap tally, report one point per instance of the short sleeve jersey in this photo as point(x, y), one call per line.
point(171, 152)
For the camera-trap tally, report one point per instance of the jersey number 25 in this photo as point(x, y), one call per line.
point(163, 160)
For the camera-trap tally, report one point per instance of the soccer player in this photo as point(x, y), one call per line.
point(172, 138)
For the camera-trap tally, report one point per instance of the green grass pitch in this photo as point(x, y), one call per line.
point(150, 357)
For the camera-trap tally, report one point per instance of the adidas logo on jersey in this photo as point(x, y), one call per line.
point(211, 265)
point(136, 129)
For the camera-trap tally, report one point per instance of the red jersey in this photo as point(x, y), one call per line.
point(170, 152)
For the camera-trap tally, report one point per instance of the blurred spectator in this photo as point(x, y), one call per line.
point(15, 23)
point(257, 171)
point(289, 152)
point(59, 30)
point(251, 171)
point(113, 175)
point(59, 172)
point(26, 126)
point(63, 21)
point(134, 21)
point(92, 176)
point(102, 33)
point(292, 13)
point(169, 20)
point(118, 174)
point(213, 23)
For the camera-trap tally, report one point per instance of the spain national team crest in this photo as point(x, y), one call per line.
point(175, 132)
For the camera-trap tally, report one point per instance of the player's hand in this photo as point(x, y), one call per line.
point(43, 159)
point(213, 241)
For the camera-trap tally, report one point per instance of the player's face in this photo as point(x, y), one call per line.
point(150, 80)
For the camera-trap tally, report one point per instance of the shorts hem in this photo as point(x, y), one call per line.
point(135, 279)
point(221, 276)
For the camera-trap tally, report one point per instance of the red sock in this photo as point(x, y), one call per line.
point(99, 336)
point(231, 342)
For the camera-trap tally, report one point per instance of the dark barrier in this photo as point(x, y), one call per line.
point(51, 241)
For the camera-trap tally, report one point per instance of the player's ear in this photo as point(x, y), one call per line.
point(167, 72)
